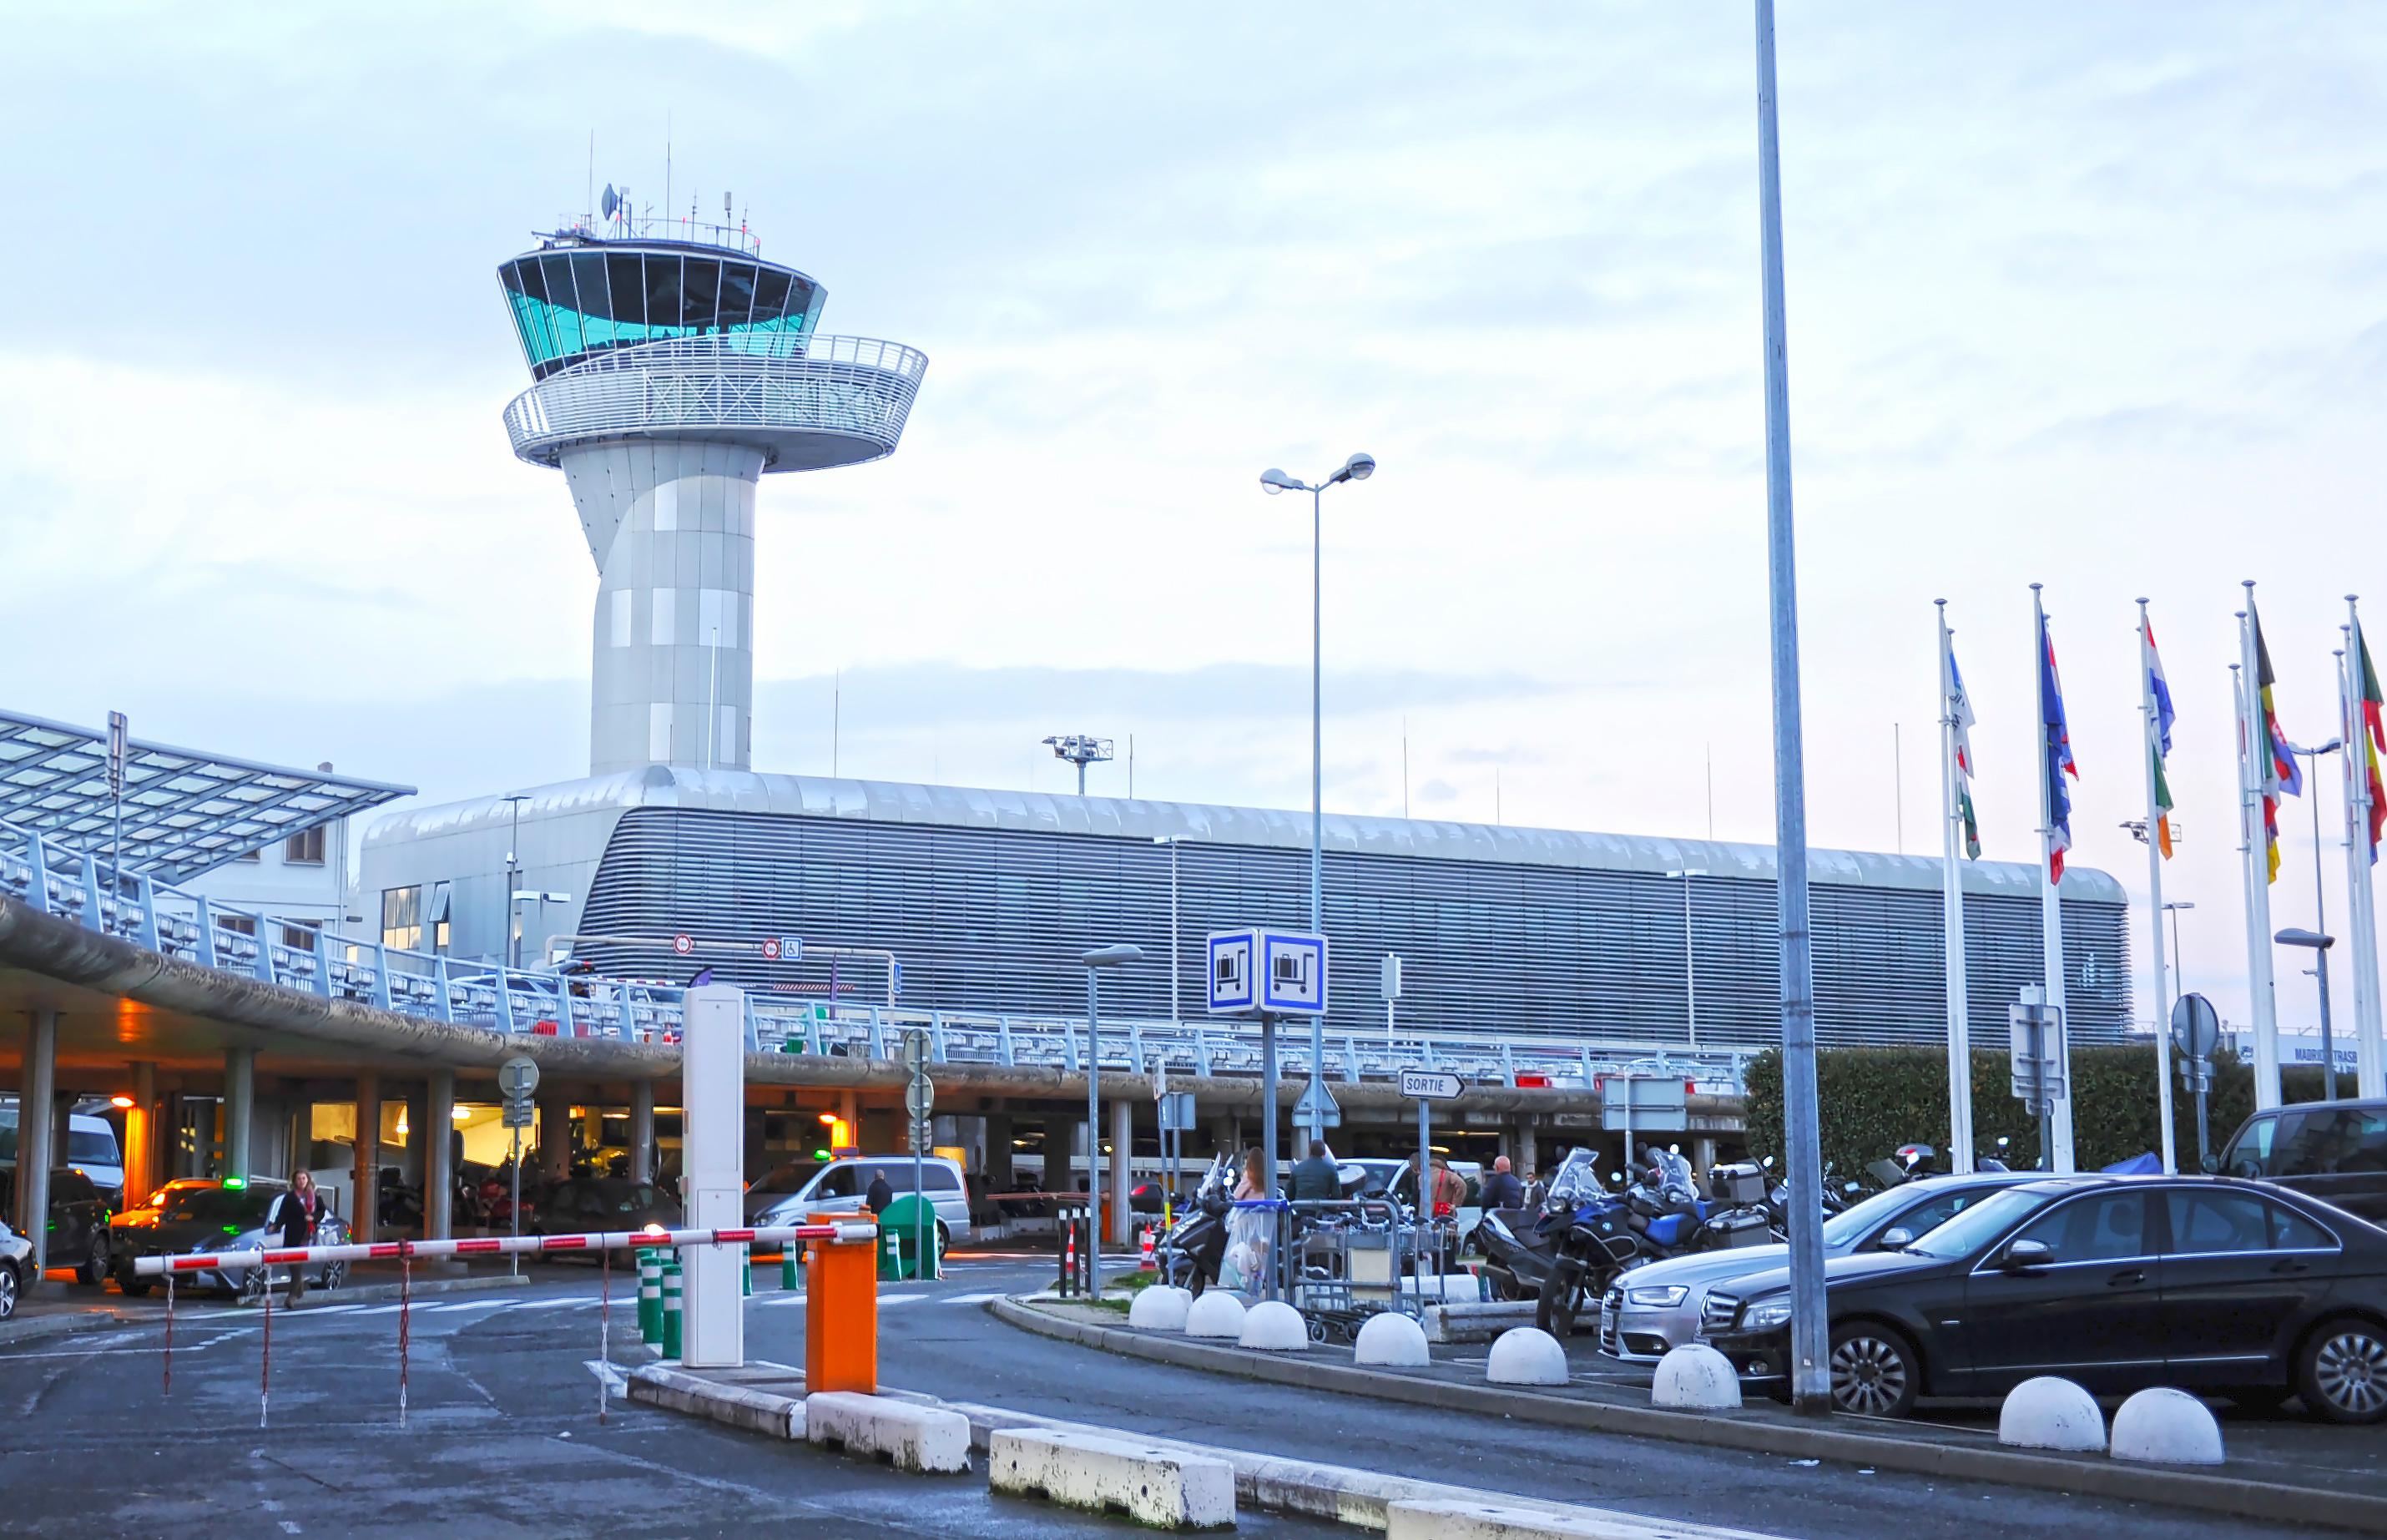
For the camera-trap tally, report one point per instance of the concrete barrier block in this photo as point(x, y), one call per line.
point(1272, 1326)
point(2050, 1413)
point(1695, 1377)
point(1151, 1483)
point(907, 1436)
point(2167, 1427)
point(1526, 1356)
point(1160, 1308)
point(1391, 1341)
point(1458, 1519)
point(1450, 1323)
point(1216, 1314)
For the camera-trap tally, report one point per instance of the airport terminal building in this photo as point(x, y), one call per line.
point(986, 898)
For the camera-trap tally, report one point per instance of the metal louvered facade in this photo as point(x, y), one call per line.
point(1507, 932)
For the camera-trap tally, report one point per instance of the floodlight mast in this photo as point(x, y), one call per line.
point(1079, 750)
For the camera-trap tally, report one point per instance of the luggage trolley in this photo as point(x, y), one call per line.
point(1347, 1263)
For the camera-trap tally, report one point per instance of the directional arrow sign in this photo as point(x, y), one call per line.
point(1429, 1085)
point(1316, 1106)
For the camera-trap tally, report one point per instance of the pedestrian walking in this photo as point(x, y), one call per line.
point(881, 1196)
point(294, 1217)
point(1318, 1176)
point(1501, 1189)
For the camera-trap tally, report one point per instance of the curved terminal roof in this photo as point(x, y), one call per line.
point(1034, 812)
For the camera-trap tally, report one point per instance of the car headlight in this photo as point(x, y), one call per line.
point(1664, 1297)
point(1765, 1315)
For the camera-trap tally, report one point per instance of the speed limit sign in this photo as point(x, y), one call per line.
point(683, 943)
point(770, 949)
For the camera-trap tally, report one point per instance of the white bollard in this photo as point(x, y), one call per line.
point(2050, 1413)
point(1526, 1356)
point(1216, 1314)
point(2167, 1427)
point(1695, 1378)
point(1272, 1326)
point(1159, 1309)
point(1391, 1341)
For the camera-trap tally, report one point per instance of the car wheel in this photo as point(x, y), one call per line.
point(1874, 1372)
point(251, 1287)
point(2343, 1372)
point(1196, 1282)
point(7, 1289)
point(1553, 1309)
point(334, 1274)
point(134, 1285)
point(94, 1271)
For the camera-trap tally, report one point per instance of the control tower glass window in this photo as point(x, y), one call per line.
point(568, 306)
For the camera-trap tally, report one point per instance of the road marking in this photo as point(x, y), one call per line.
point(552, 1303)
point(968, 1299)
point(471, 1305)
point(610, 1375)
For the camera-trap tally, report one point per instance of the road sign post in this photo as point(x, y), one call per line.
point(919, 1099)
point(1655, 1102)
point(2034, 1033)
point(517, 1078)
point(2195, 1033)
point(1270, 974)
point(1425, 1087)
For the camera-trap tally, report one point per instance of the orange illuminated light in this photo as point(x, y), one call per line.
point(121, 1102)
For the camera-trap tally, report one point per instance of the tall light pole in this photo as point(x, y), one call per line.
point(2179, 978)
point(1096, 960)
point(1172, 842)
point(513, 865)
point(2320, 910)
point(1690, 961)
point(2320, 945)
point(1359, 467)
point(1810, 1333)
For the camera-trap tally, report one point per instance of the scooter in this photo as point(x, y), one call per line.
point(1517, 1251)
point(1195, 1247)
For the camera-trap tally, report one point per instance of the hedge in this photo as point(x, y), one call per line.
point(1873, 1099)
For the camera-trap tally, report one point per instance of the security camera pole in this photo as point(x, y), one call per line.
point(1096, 960)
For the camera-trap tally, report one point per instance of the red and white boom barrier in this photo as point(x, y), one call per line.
point(864, 1231)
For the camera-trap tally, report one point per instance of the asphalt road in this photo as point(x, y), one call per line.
point(501, 1437)
point(941, 1341)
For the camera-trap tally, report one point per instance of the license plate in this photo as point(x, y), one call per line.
point(1607, 1322)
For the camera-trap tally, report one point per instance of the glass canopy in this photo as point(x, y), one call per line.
point(572, 302)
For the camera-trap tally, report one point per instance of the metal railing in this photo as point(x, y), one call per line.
point(294, 954)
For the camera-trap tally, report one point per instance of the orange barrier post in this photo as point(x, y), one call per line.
point(840, 1314)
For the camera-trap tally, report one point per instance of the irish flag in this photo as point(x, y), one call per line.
point(2159, 691)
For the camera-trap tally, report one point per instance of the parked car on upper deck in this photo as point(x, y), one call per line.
point(2205, 1284)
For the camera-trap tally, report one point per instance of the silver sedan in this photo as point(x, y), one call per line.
point(1649, 1309)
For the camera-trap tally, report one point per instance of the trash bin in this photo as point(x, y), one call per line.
point(909, 1221)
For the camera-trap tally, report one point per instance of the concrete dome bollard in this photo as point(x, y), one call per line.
point(1216, 1314)
point(1695, 1378)
point(2167, 1427)
point(1272, 1326)
point(1526, 1356)
point(2050, 1413)
point(1160, 1308)
point(1390, 1340)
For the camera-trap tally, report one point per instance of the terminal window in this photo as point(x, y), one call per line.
point(401, 917)
point(304, 847)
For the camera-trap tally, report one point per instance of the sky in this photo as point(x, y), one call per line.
point(2090, 297)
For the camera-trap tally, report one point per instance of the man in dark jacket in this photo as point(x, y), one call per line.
point(881, 1196)
point(1501, 1189)
point(1318, 1176)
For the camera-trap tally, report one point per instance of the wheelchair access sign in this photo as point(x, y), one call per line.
point(1257, 971)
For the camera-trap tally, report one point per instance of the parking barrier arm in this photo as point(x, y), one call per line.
point(848, 1232)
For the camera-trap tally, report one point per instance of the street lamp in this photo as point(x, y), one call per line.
point(1172, 842)
point(2319, 944)
point(2320, 909)
point(1690, 962)
point(1096, 960)
point(1080, 750)
point(1359, 467)
point(529, 895)
point(2179, 979)
point(513, 844)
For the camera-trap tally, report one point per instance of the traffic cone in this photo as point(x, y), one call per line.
point(1151, 1254)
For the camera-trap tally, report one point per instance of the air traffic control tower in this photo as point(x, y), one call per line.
point(673, 367)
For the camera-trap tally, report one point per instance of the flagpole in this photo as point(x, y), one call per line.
point(2362, 935)
point(1952, 916)
point(2262, 1001)
point(2051, 905)
point(2152, 729)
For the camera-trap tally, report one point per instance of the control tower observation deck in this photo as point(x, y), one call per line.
point(672, 369)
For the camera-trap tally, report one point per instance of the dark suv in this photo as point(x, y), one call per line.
point(78, 1225)
point(2334, 1151)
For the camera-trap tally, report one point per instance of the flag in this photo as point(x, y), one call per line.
point(2060, 763)
point(2159, 691)
point(1960, 717)
point(2280, 772)
point(2372, 734)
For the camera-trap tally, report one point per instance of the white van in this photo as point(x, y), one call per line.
point(787, 1193)
point(91, 1149)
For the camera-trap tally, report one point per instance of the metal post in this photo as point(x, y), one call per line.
point(2327, 1052)
point(1810, 1331)
point(1174, 1014)
point(1094, 1133)
point(2320, 924)
point(1317, 781)
point(1268, 1135)
point(514, 1258)
point(1951, 911)
point(2152, 730)
point(1425, 1202)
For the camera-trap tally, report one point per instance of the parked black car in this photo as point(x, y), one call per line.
point(601, 1203)
point(2334, 1151)
point(200, 1214)
point(78, 1216)
point(2205, 1284)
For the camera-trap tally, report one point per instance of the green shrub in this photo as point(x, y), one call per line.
point(1873, 1099)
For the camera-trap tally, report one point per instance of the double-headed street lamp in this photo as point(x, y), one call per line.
point(1359, 467)
point(2320, 945)
point(1096, 960)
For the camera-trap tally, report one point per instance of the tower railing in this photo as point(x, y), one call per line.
point(298, 954)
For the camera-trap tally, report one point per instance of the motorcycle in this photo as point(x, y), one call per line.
point(1191, 1252)
point(1589, 1239)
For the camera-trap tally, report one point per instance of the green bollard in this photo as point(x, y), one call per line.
point(745, 1271)
point(791, 1265)
point(650, 1296)
point(670, 1310)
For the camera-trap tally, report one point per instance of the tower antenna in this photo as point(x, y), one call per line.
point(590, 215)
point(667, 167)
